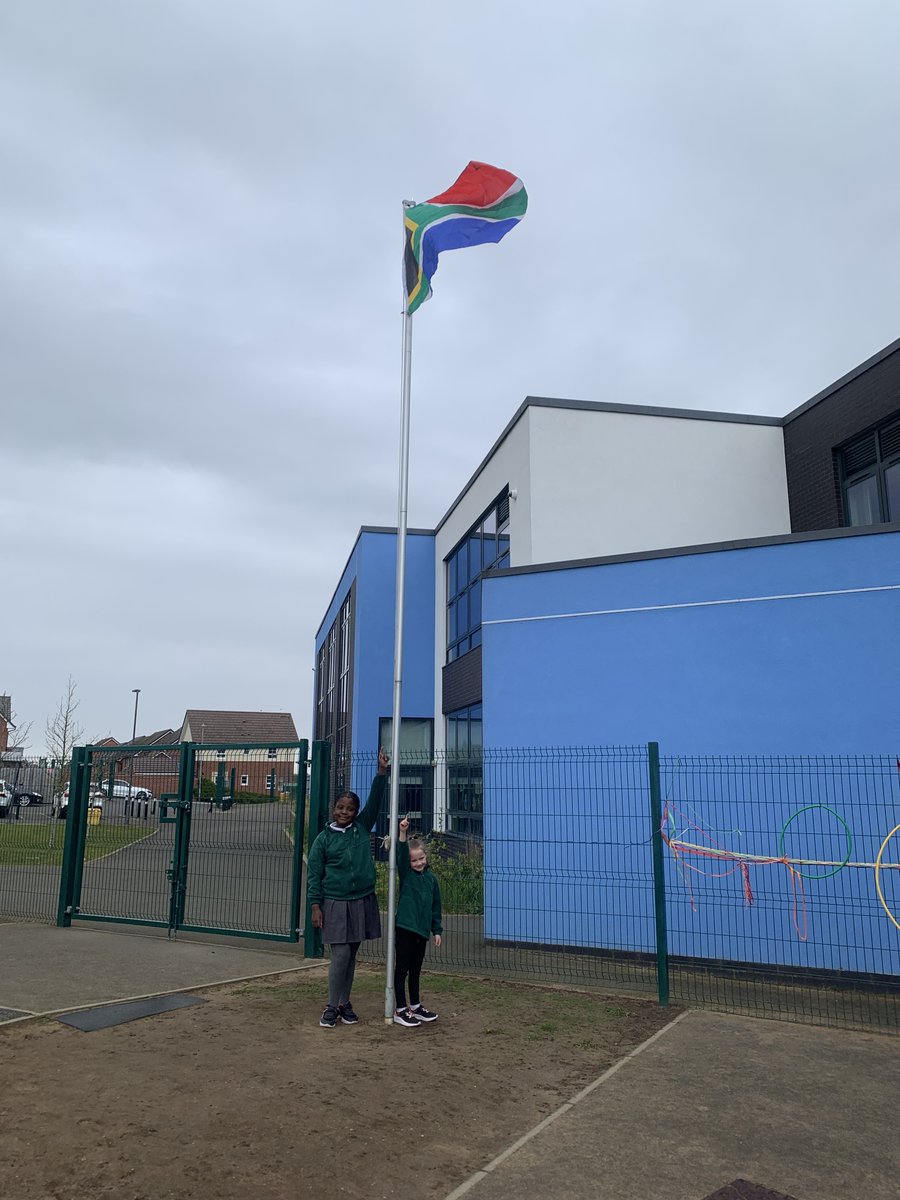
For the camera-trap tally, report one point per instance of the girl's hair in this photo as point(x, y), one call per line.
point(417, 843)
point(346, 796)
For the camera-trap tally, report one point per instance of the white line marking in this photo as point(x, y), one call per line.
point(614, 612)
point(194, 987)
point(475, 1179)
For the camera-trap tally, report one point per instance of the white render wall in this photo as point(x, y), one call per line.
point(510, 464)
point(620, 483)
point(592, 482)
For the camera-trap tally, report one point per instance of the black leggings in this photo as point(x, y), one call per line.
point(409, 955)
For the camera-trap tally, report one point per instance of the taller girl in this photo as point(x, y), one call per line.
point(341, 877)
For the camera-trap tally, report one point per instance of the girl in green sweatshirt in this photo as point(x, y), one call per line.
point(341, 882)
point(418, 917)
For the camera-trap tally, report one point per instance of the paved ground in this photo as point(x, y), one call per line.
point(804, 1111)
point(239, 870)
point(46, 969)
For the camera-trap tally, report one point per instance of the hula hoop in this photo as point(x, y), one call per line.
point(884, 903)
point(838, 817)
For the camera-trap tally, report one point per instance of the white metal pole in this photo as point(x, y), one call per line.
point(403, 489)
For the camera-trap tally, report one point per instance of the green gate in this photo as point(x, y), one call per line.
point(200, 837)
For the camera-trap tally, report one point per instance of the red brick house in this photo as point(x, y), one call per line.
point(253, 769)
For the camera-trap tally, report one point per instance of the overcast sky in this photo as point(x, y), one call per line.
point(200, 287)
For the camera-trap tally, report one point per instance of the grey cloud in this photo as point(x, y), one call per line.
point(199, 287)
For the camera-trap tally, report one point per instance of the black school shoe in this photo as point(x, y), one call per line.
point(329, 1017)
point(421, 1013)
point(347, 1015)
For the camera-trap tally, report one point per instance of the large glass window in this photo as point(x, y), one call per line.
point(484, 547)
point(334, 691)
point(870, 476)
point(416, 770)
point(465, 806)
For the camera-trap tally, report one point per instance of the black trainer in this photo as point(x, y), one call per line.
point(421, 1013)
point(404, 1017)
point(329, 1017)
point(347, 1015)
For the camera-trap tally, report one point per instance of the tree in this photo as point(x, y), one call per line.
point(62, 733)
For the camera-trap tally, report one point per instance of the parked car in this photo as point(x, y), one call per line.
point(95, 800)
point(26, 796)
point(122, 790)
point(6, 799)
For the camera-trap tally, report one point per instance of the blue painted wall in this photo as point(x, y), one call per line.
point(805, 675)
point(373, 565)
point(819, 674)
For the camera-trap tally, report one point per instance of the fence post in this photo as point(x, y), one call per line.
point(659, 874)
point(299, 830)
point(318, 815)
point(69, 870)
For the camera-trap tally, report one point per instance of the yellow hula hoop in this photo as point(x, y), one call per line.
point(884, 903)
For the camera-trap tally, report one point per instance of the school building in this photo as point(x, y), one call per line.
point(612, 574)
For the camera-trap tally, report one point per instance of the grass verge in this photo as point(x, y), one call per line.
point(41, 845)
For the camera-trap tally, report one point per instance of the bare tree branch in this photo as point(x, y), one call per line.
point(62, 732)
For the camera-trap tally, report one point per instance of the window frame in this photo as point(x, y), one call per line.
point(462, 583)
point(465, 776)
point(886, 447)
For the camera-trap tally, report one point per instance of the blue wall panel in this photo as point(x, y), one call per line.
point(372, 566)
point(779, 672)
point(818, 674)
point(374, 650)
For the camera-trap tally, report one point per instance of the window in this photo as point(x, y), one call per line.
point(464, 774)
point(416, 770)
point(334, 690)
point(870, 476)
point(245, 779)
point(484, 547)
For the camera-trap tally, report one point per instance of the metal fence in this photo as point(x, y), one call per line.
point(757, 885)
point(31, 839)
point(768, 886)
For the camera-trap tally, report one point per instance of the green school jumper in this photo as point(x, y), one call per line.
point(419, 909)
point(340, 865)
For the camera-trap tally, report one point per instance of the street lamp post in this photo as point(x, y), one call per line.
point(129, 806)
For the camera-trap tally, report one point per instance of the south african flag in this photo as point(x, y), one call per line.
point(482, 206)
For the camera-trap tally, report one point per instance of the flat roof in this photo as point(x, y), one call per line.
point(783, 539)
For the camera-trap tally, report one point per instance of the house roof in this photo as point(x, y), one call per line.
point(212, 725)
point(162, 737)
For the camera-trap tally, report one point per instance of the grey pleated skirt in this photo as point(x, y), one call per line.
point(350, 920)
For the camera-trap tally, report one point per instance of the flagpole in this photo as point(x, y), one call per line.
point(402, 494)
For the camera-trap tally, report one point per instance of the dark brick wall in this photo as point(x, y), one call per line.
point(461, 682)
point(867, 398)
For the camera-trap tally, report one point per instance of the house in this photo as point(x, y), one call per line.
point(604, 564)
point(250, 752)
point(6, 724)
point(153, 766)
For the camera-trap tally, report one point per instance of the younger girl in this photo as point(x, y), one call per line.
point(341, 884)
point(418, 916)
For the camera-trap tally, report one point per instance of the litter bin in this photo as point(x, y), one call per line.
point(94, 815)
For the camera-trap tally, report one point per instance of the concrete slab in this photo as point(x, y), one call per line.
point(45, 969)
point(89, 1020)
point(797, 1109)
